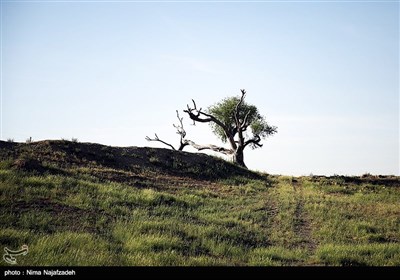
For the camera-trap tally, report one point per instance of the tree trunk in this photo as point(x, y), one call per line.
point(237, 157)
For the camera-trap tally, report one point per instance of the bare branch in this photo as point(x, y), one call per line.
point(180, 130)
point(195, 114)
point(210, 147)
point(156, 139)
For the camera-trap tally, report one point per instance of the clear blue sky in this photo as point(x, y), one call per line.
point(327, 74)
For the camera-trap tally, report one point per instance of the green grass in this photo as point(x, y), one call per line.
point(361, 254)
point(77, 219)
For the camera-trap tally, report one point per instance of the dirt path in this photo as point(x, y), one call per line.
point(270, 208)
point(302, 222)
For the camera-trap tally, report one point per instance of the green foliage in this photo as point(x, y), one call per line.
point(224, 111)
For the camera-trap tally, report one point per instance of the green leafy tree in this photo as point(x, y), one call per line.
point(234, 122)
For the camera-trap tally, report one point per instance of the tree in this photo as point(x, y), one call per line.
point(233, 121)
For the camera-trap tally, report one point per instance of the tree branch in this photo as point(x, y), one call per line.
point(237, 108)
point(210, 147)
point(244, 124)
point(237, 120)
point(159, 140)
point(198, 116)
point(180, 129)
point(255, 141)
point(195, 114)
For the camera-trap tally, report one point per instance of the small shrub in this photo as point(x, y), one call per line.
point(75, 140)
point(154, 159)
point(10, 140)
point(366, 175)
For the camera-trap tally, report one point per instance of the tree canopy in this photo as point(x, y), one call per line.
point(225, 112)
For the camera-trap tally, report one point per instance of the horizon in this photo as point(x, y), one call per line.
point(325, 73)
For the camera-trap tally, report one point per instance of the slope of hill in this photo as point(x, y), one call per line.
point(89, 204)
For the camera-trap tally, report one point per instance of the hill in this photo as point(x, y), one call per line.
point(89, 204)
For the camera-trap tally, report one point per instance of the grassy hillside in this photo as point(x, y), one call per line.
point(88, 204)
